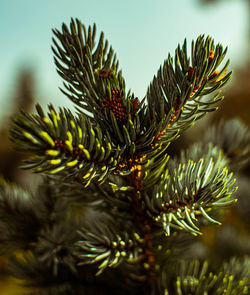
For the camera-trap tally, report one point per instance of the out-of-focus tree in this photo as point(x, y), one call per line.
point(23, 99)
point(10, 159)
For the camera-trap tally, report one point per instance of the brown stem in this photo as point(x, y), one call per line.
point(143, 223)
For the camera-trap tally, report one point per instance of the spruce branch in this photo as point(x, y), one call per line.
point(104, 246)
point(111, 160)
point(65, 145)
point(93, 81)
point(83, 66)
point(194, 278)
point(180, 84)
point(193, 189)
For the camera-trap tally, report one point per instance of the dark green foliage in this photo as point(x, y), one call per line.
point(107, 218)
point(105, 247)
point(18, 223)
point(195, 278)
point(234, 142)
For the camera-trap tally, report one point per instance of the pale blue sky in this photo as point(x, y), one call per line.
point(141, 32)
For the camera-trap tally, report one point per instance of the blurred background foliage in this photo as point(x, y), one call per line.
point(233, 237)
point(218, 243)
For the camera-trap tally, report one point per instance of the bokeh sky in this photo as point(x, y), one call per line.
point(141, 32)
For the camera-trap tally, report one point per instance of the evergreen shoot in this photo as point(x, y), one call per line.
point(114, 213)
